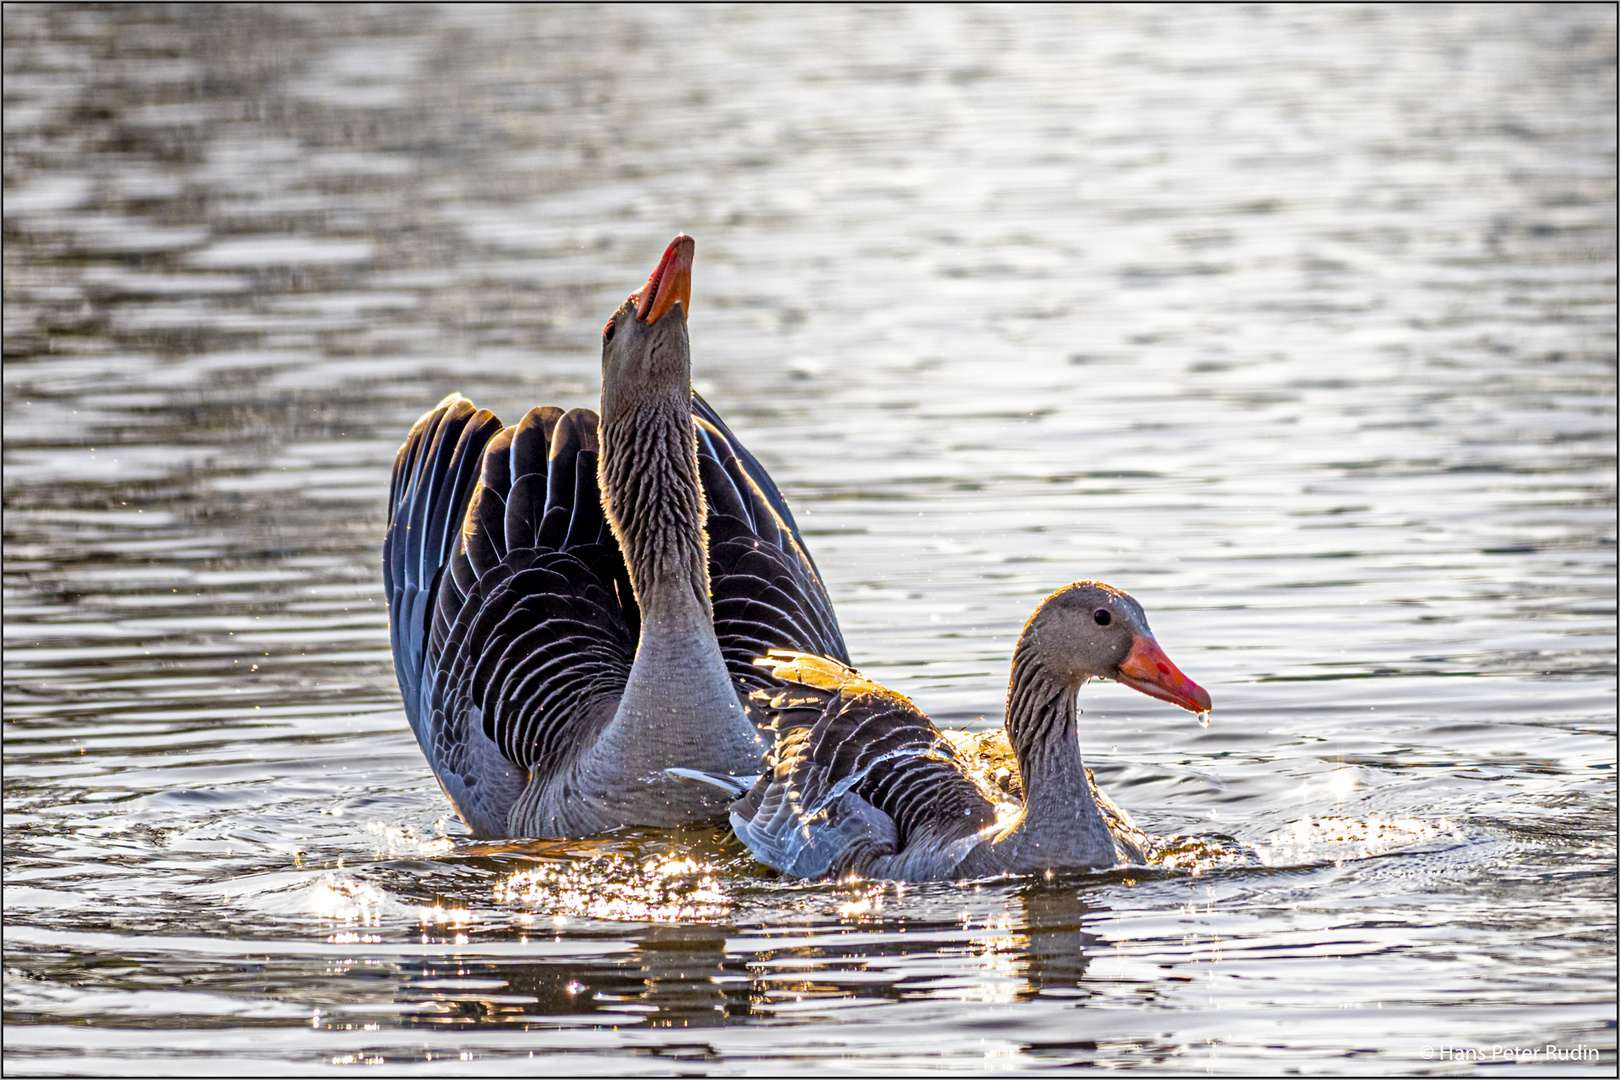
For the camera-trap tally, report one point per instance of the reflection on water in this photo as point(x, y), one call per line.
point(1297, 323)
point(1053, 946)
point(685, 974)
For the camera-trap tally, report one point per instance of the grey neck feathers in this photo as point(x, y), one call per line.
point(648, 474)
point(1042, 728)
point(1060, 825)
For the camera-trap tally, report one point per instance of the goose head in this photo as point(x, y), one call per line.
point(1090, 630)
point(644, 344)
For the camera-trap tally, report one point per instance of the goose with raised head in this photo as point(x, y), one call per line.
point(575, 601)
point(863, 783)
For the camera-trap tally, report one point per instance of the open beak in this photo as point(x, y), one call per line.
point(672, 281)
point(1148, 670)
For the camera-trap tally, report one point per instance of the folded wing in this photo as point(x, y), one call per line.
point(861, 782)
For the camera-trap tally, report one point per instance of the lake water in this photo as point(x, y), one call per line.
point(1297, 323)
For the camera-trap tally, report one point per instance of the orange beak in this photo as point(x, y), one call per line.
point(1149, 671)
point(672, 281)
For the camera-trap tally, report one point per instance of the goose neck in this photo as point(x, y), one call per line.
point(648, 475)
point(1043, 730)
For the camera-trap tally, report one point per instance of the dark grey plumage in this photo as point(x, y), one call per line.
point(861, 782)
point(859, 776)
point(512, 617)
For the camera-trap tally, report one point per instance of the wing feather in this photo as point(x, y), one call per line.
point(868, 778)
point(766, 589)
point(500, 690)
point(511, 612)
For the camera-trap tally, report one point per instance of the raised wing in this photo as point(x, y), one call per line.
point(511, 614)
point(435, 472)
point(767, 591)
point(528, 643)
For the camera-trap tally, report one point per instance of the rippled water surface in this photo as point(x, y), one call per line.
point(1299, 324)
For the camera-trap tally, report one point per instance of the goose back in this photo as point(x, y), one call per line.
point(861, 781)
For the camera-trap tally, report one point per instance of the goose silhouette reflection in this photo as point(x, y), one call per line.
point(713, 974)
point(1056, 945)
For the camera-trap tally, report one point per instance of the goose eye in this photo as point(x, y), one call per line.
point(1102, 616)
point(607, 331)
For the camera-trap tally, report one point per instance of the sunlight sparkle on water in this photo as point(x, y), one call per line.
point(395, 841)
point(1342, 783)
point(612, 887)
point(1337, 838)
point(1305, 340)
point(439, 915)
point(1196, 854)
point(349, 901)
point(867, 901)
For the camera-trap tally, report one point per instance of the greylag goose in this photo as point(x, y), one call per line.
point(864, 784)
point(575, 602)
